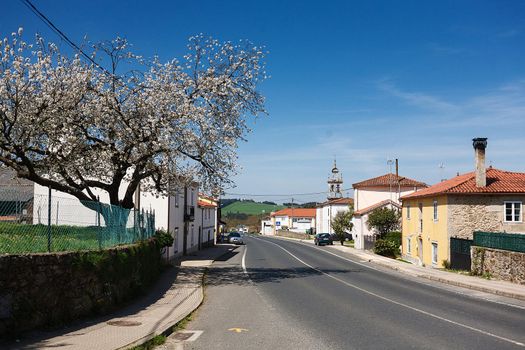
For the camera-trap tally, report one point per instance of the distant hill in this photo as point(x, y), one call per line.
point(250, 208)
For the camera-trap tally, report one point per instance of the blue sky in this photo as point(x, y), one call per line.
point(362, 80)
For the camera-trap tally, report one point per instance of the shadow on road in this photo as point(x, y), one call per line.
point(218, 276)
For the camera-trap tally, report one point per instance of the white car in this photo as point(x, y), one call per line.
point(236, 238)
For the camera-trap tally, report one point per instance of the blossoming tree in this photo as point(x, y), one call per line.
point(68, 125)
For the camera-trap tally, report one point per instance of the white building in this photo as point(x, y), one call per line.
point(325, 212)
point(293, 219)
point(266, 227)
point(378, 192)
point(190, 218)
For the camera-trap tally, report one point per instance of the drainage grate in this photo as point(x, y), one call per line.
point(182, 336)
point(123, 323)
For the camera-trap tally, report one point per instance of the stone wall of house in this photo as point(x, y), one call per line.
point(469, 213)
point(47, 290)
point(502, 264)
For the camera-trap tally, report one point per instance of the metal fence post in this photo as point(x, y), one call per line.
point(99, 232)
point(49, 220)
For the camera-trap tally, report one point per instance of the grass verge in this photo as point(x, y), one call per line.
point(152, 343)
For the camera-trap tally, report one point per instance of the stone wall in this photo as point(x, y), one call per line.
point(290, 234)
point(46, 290)
point(469, 213)
point(502, 264)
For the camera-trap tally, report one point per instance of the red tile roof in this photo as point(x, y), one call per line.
point(389, 180)
point(375, 206)
point(297, 212)
point(338, 201)
point(204, 204)
point(498, 181)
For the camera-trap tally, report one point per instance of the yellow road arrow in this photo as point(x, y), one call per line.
point(238, 330)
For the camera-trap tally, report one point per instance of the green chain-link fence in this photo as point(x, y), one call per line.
point(506, 241)
point(32, 223)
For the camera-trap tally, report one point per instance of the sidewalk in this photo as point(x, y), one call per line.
point(178, 292)
point(497, 287)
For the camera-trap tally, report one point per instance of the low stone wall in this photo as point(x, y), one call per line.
point(46, 290)
point(291, 234)
point(502, 264)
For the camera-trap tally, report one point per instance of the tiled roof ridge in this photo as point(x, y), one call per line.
point(375, 206)
point(397, 178)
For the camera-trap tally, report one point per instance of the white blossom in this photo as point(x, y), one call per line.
point(71, 126)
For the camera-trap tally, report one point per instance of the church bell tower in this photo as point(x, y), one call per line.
point(335, 183)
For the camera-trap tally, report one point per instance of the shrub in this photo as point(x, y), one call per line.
point(446, 264)
point(164, 239)
point(394, 236)
point(386, 248)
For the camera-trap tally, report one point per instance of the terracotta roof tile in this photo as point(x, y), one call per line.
point(297, 212)
point(375, 206)
point(388, 180)
point(498, 181)
point(338, 201)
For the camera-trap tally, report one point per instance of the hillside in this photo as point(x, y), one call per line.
point(250, 208)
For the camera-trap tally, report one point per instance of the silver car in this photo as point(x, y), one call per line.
point(236, 238)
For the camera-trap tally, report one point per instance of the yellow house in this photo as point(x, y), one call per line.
point(484, 200)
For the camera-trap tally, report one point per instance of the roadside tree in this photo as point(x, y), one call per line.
point(71, 126)
point(342, 224)
point(383, 221)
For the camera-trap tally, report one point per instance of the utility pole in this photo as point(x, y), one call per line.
point(292, 213)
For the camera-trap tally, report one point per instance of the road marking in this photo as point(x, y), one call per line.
point(397, 302)
point(413, 279)
point(238, 330)
point(243, 262)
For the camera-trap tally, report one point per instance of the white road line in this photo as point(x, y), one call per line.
point(443, 287)
point(399, 303)
point(243, 262)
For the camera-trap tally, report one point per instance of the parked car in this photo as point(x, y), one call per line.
point(323, 238)
point(236, 238)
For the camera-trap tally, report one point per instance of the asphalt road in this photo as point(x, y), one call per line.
point(278, 294)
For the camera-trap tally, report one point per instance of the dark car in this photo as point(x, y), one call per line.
point(323, 238)
point(225, 237)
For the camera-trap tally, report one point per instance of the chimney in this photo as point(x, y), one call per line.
point(480, 144)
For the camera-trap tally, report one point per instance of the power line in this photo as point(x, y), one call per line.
point(61, 34)
point(280, 195)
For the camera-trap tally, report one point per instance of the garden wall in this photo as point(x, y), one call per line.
point(46, 290)
point(291, 234)
point(503, 264)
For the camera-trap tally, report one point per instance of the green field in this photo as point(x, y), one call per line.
point(250, 208)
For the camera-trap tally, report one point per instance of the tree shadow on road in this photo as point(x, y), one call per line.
point(229, 275)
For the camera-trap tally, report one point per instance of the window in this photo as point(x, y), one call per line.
point(434, 253)
point(435, 210)
point(177, 199)
point(408, 211)
point(512, 212)
point(409, 249)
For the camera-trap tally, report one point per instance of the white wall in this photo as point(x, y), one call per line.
point(367, 197)
point(325, 214)
point(72, 212)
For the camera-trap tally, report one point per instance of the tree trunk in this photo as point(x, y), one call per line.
point(113, 230)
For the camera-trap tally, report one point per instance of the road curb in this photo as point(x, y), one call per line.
point(168, 329)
